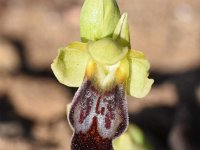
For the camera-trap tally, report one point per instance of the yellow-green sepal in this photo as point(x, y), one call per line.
point(98, 19)
point(138, 84)
point(107, 51)
point(70, 64)
point(121, 33)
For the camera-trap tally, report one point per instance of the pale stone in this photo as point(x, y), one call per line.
point(42, 100)
point(58, 133)
point(9, 59)
point(14, 144)
point(168, 35)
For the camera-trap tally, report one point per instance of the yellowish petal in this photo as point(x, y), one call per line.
point(70, 64)
point(138, 84)
point(121, 33)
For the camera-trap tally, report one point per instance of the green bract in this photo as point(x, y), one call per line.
point(108, 48)
point(98, 19)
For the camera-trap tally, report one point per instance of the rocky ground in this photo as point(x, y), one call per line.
point(32, 102)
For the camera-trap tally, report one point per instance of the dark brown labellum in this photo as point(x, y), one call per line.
point(97, 116)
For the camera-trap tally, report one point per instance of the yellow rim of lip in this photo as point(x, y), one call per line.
point(122, 71)
point(90, 69)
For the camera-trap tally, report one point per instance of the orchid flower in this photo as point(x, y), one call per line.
point(105, 69)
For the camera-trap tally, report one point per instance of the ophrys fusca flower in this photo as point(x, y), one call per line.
point(105, 69)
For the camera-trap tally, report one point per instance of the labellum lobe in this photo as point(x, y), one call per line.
point(97, 116)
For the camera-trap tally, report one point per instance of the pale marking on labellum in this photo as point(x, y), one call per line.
point(109, 107)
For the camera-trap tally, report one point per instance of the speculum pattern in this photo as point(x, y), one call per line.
point(97, 116)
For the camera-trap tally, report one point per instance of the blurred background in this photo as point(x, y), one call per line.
point(33, 103)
